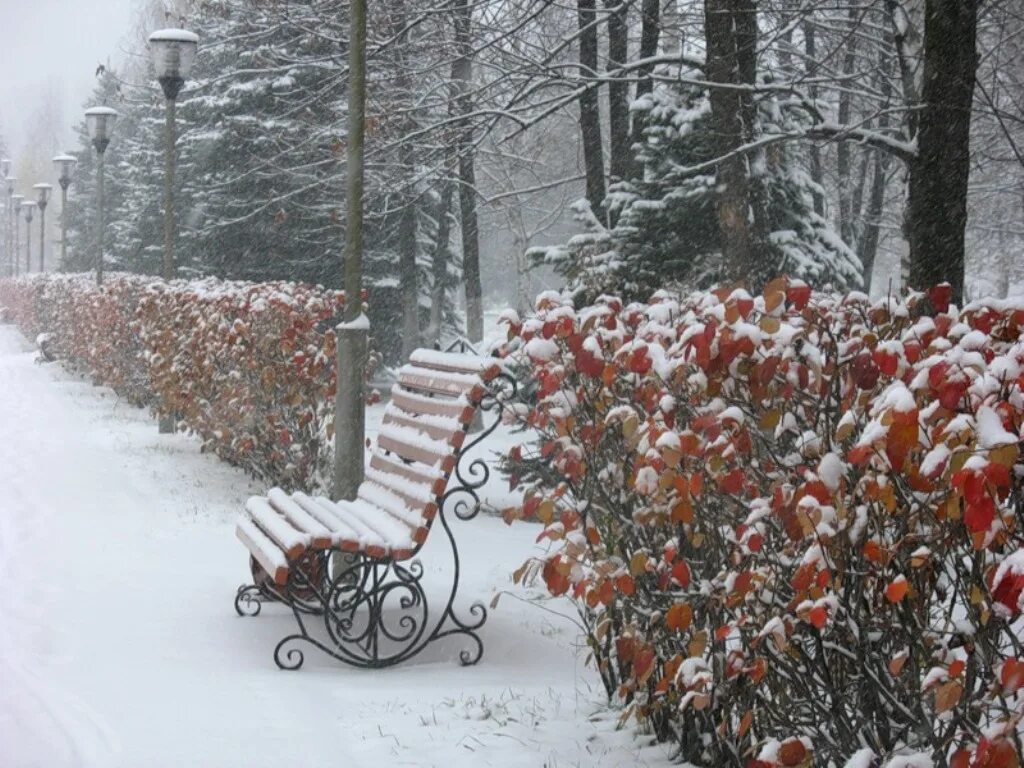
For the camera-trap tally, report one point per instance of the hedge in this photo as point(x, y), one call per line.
point(791, 522)
point(248, 367)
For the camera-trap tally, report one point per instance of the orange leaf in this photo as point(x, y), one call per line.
point(679, 617)
point(897, 589)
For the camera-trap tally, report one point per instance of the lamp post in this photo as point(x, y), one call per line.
point(9, 240)
point(42, 200)
point(16, 240)
point(28, 208)
point(100, 122)
point(65, 165)
point(5, 168)
point(173, 51)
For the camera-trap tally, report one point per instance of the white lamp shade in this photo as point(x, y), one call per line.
point(5, 167)
point(65, 165)
point(43, 192)
point(100, 122)
point(28, 207)
point(16, 199)
point(173, 52)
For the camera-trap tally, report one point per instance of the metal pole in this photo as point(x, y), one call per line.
point(28, 245)
point(101, 219)
point(17, 241)
point(63, 226)
point(349, 406)
point(42, 238)
point(167, 419)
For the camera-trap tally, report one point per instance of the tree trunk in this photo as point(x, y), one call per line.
point(844, 159)
point(590, 113)
point(467, 177)
point(439, 264)
point(727, 32)
point(618, 91)
point(872, 221)
point(650, 32)
point(408, 275)
point(937, 205)
point(814, 151)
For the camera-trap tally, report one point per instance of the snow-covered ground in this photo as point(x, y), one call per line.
point(119, 645)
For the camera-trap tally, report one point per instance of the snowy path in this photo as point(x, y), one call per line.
point(119, 645)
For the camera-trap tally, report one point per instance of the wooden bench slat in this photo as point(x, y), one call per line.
point(415, 403)
point(484, 367)
point(400, 507)
point(266, 553)
point(439, 382)
point(413, 445)
point(298, 517)
point(292, 541)
point(430, 478)
point(395, 535)
point(451, 434)
point(342, 535)
point(369, 538)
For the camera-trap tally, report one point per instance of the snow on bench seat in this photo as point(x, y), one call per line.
point(266, 552)
point(300, 518)
point(292, 541)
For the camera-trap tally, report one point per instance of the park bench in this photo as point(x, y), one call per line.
point(343, 566)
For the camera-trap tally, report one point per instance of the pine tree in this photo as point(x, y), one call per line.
point(667, 231)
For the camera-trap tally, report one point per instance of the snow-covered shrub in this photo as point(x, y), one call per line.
point(792, 522)
point(248, 367)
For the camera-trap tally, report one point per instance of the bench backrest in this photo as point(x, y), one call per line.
point(432, 406)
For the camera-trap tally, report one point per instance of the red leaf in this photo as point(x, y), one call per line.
point(940, 295)
point(818, 616)
point(979, 514)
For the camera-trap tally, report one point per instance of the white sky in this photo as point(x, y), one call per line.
point(55, 44)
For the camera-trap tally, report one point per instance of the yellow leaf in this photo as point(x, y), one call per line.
point(637, 564)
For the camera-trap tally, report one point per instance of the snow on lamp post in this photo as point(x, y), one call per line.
point(28, 208)
point(42, 199)
point(100, 122)
point(173, 51)
point(65, 165)
point(16, 238)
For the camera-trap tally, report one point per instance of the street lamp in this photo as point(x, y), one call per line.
point(42, 198)
point(65, 165)
point(173, 52)
point(100, 122)
point(28, 208)
point(15, 204)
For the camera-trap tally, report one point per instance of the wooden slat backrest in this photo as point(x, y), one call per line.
point(436, 397)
